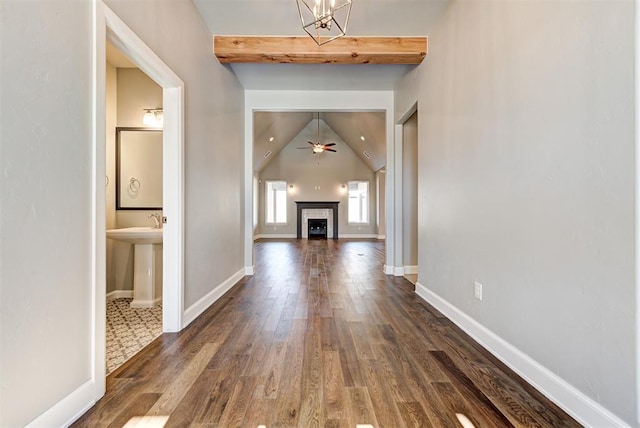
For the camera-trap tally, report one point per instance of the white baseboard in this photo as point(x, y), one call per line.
point(249, 270)
point(146, 303)
point(382, 237)
point(398, 271)
point(67, 410)
point(276, 236)
point(571, 400)
point(410, 270)
point(388, 270)
point(203, 304)
point(340, 236)
point(120, 294)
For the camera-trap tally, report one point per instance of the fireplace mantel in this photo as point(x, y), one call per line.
point(306, 205)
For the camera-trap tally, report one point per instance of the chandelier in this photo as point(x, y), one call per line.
point(324, 20)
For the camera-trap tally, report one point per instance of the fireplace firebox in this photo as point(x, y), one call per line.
point(317, 228)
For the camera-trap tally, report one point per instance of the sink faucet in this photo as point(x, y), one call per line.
point(157, 220)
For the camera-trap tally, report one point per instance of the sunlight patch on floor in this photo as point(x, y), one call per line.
point(464, 421)
point(146, 422)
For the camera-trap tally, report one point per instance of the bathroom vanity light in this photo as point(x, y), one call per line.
point(153, 117)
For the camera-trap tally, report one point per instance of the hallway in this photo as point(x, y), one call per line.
point(319, 337)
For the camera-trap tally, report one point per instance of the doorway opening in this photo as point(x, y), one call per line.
point(410, 198)
point(133, 200)
point(358, 127)
point(109, 27)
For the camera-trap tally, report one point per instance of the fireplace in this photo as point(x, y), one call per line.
point(302, 205)
point(317, 228)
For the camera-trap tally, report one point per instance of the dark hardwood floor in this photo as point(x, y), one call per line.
point(320, 337)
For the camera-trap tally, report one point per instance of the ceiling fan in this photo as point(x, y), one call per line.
point(318, 147)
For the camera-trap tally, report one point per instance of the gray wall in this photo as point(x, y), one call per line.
point(45, 195)
point(45, 191)
point(213, 138)
point(410, 191)
point(526, 178)
point(302, 169)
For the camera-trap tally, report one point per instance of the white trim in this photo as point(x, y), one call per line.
point(98, 205)
point(249, 270)
point(398, 256)
point(173, 162)
point(120, 294)
point(276, 236)
point(571, 400)
point(357, 236)
point(637, 205)
point(407, 114)
point(210, 298)
point(340, 236)
point(410, 270)
point(398, 271)
point(381, 237)
point(146, 303)
point(388, 270)
point(67, 410)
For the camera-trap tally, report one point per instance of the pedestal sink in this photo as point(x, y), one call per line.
point(146, 241)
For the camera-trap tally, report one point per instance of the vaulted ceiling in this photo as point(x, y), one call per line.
point(364, 132)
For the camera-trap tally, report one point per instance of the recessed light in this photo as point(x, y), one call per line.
point(362, 137)
point(271, 139)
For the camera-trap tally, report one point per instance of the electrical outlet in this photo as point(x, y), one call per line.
point(477, 290)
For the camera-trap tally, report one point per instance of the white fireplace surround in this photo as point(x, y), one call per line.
point(323, 213)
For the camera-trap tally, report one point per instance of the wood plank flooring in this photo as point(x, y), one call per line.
point(319, 337)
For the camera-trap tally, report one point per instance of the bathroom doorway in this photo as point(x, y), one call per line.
point(133, 200)
point(109, 27)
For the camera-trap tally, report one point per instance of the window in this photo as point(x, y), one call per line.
point(358, 208)
point(276, 206)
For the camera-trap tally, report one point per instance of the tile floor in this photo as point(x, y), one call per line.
point(129, 330)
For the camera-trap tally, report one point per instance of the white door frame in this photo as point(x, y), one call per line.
point(109, 26)
point(283, 100)
point(637, 203)
point(399, 130)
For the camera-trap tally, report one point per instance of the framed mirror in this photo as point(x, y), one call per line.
point(138, 169)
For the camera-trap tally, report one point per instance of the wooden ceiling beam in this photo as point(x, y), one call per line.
point(303, 50)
